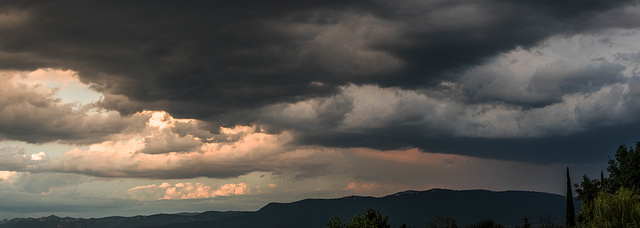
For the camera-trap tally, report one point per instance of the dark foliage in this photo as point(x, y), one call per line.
point(370, 219)
point(486, 224)
point(571, 216)
point(526, 224)
point(624, 170)
point(443, 222)
point(624, 173)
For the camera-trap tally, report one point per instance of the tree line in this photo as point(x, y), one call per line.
point(612, 201)
point(373, 219)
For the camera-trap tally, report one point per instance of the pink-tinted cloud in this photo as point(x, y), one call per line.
point(241, 150)
point(186, 190)
point(7, 175)
point(161, 151)
point(365, 188)
point(414, 169)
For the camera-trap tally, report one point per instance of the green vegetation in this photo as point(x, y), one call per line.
point(613, 201)
point(370, 219)
point(621, 209)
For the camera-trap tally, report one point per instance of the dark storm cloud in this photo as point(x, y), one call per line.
point(594, 145)
point(200, 60)
point(452, 36)
point(583, 127)
point(32, 113)
point(222, 56)
point(546, 87)
point(230, 63)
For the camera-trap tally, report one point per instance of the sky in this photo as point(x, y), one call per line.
point(143, 107)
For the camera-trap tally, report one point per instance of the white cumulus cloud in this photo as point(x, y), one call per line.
point(186, 190)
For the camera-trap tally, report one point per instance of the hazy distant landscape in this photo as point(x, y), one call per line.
point(413, 208)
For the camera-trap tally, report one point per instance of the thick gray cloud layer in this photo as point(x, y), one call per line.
point(232, 56)
point(257, 62)
point(32, 113)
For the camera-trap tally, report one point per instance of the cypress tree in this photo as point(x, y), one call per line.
point(571, 220)
point(603, 182)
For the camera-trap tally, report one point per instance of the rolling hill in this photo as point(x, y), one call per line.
point(413, 208)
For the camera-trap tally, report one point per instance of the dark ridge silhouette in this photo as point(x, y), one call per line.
point(413, 208)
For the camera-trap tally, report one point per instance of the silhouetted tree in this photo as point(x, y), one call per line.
point(526, 223)
point(486, 224)
point(571, 219)
point(548, 221)
point(587, 191)
point(603, 181)
point(370, 219)
point(623, 170)
point(335, 222)
point(623, 174)
point(443, 222)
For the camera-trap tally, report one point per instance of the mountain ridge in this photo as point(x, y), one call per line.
point(411, 207)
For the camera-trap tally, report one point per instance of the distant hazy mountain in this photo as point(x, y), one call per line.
point(413, 208)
